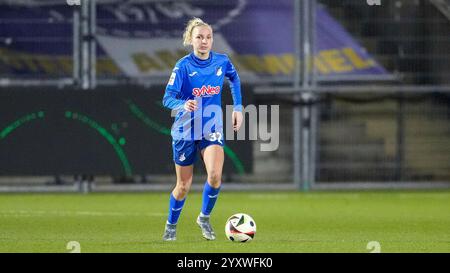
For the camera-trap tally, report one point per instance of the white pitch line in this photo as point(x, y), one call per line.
point(37, 213)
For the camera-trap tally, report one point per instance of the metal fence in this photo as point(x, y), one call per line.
point(410, 38)
point(36, 44)
point(370, 109)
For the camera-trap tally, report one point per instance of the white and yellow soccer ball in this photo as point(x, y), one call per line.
point(240, 227)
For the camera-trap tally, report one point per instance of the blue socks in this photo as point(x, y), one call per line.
point(175, 207)
point(210, 195)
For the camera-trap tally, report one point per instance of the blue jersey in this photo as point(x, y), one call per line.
point(200, 80)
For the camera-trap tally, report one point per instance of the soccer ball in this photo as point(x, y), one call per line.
point(240, 227)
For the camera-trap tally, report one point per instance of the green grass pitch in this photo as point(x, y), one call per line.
point(401, 221)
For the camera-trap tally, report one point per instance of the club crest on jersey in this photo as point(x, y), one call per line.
point(206, 91)
point(219, 71)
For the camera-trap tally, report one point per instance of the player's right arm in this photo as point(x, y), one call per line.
point(172, 94)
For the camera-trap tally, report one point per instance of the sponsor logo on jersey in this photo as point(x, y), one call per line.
point(206, 91)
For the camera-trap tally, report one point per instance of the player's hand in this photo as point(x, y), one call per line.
point(190, 105)
point(237, 120)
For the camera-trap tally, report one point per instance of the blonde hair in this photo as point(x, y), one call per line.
point(194, 22)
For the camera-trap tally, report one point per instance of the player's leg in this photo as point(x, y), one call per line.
point(179, 193)
point(213, 157)
point(177, 199)
point(184, 156)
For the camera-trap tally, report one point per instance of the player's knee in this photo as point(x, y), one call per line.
point(214, 178)
point(183, 187)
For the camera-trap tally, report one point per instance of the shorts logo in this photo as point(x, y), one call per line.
point(182, 157)
point(210, 90)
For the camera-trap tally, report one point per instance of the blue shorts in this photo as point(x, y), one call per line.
point(185, 151)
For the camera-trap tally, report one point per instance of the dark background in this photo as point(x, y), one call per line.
point(58, 143)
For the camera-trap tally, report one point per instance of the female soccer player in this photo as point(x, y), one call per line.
point(194, 88)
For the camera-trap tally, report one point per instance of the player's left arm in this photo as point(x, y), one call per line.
point(235, 86)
